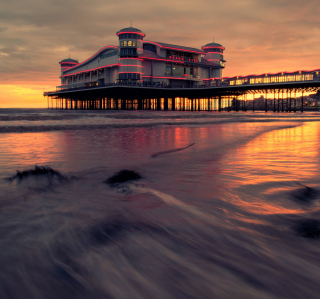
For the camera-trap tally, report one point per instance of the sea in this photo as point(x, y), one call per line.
point(219, 205)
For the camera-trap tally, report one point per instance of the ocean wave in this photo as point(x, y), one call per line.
point(139, 123)
point(91, 245)
point(234, 216)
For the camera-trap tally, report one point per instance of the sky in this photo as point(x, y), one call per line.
point(260, 36)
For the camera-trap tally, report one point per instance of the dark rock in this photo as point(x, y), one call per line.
point(123, 176)
point(305, 194)
point(37, 171)
point(308, 228)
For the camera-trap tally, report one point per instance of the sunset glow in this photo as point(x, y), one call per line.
point(22, 96)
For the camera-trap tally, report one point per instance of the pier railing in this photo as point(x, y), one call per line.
point(283, 77)
point(83, 86)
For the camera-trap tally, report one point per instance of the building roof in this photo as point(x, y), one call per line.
point(176, 47)
point(130, 30)
point(69, 60)
point(89, 59)
point(213, 45)
point(150, 54)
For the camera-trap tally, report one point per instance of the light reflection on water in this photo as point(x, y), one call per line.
point(286, 154)
point(20, 151)
point(275, 163)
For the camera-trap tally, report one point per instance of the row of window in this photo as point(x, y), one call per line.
point(129, 43)
point(109, 54)
point(85, 75)
point(66, 65)
point(128, 52)
point(180, 70)
point(214, 50)
point(220, 57)
point(130, 35)
point(273, 79)
point(129, 76)
point(287, 78)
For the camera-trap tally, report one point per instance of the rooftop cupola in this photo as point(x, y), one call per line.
point(130, 32)
point(213, 47)
point(66, 63)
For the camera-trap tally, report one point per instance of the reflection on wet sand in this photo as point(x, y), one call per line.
point(233, 216)
point(20, 151)
point(274, 163)
point(287, 154)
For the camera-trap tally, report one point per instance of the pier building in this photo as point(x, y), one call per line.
point(136, 61)
point(149, 75)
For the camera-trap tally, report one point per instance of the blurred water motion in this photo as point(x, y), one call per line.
point(236, 215)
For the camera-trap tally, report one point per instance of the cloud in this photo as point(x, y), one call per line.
point(259, 35)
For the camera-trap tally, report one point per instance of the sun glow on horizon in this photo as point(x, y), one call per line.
point(23, 96)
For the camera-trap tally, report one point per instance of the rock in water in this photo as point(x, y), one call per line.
point(308, 228)
point(38, 170)
point(123, 176)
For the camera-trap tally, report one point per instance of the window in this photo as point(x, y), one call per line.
point(109, 54)
point(150, 47)
point(187, 71)
point(128, 52)
point(178, 70)
point(195, 69)
point(168, 69)
point(129, 76)
point(123, 36)
point(128, 43)
point(237, 81)
point(215, 50)
point(308, 77)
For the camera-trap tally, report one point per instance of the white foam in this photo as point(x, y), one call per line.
point(170, 200)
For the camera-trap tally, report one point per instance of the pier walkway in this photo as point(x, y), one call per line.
point(283, 92)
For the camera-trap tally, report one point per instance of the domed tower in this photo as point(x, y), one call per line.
point(65, 64)
point(214, 54)
point(131, 45)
